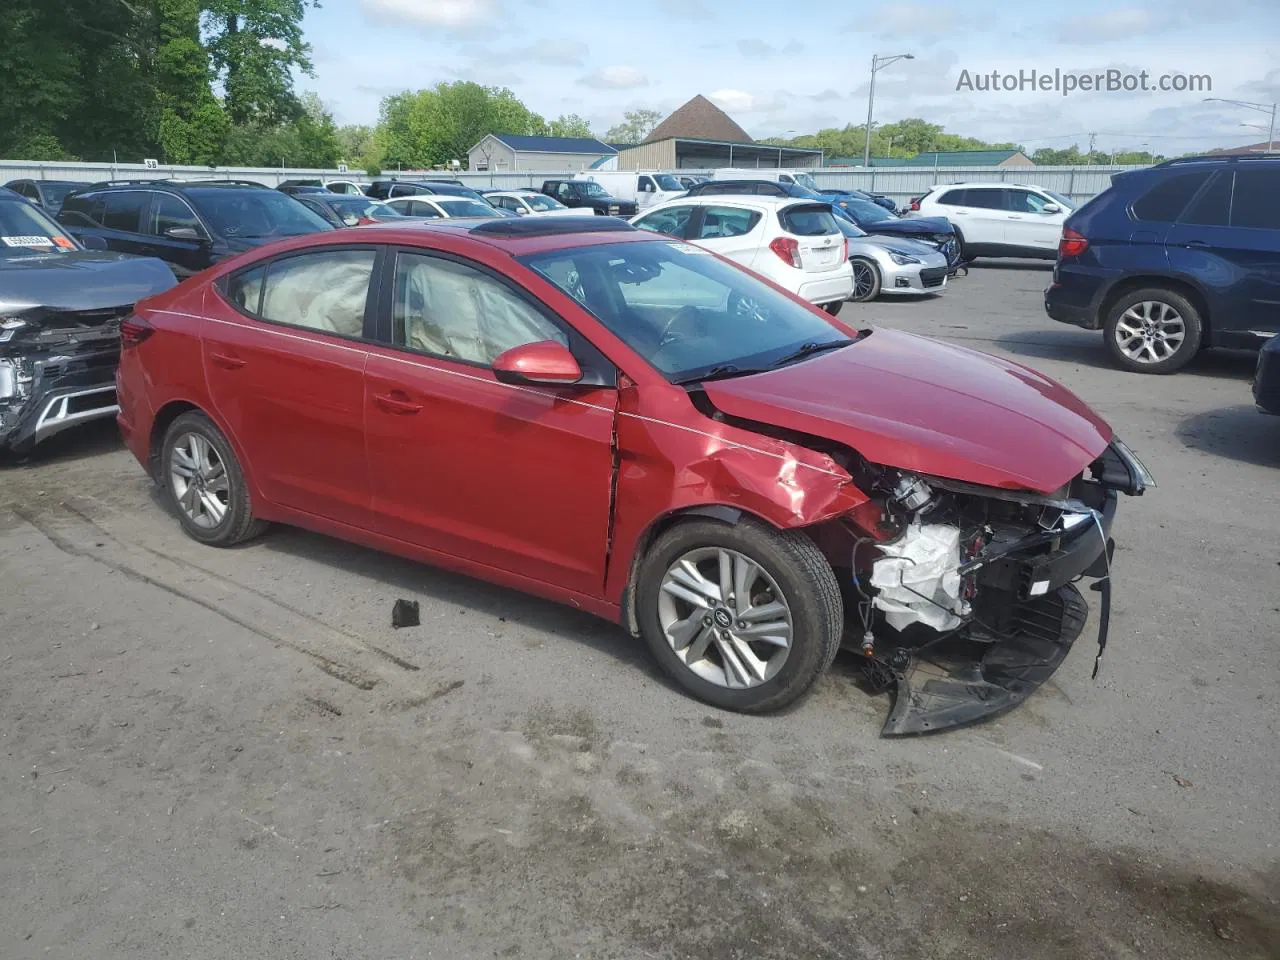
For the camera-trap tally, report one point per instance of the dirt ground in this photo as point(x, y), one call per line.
point(231, 754)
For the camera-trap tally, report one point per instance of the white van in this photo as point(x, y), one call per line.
point(643, 188)
point(775, 174)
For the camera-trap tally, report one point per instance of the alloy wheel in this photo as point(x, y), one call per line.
point(199, 478)
point(864, 280)
point(725, 618)
point(1150, 331)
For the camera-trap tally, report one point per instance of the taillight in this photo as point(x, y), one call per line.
point(915, 203)
point(788, 248)
point(133, 330)
point(845, 247)
point(1072, 244)
point(365, 221)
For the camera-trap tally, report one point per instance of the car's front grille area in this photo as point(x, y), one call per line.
point(933, 276)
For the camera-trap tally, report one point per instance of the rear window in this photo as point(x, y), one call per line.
point(1165, 201)
point(808, 221)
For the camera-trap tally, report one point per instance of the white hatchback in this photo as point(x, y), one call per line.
point(999, 219)
point(526, 203)
point(796, 243)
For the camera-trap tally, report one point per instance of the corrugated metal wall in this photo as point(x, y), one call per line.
point(900, 183)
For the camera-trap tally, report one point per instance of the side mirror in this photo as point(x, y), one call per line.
point(93, 242)
point(351, 221)
point(521, 212)
point(545, 362)
point(182, 233)
point(1051, 208)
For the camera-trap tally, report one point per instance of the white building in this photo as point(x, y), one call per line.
point(509, 153)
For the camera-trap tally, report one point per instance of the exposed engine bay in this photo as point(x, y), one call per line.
point(963, 598)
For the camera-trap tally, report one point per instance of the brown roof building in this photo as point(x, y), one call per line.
point(701, 136)
point(1263, 147)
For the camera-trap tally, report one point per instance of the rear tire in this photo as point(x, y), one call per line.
point(204, 484)
point(791, 595)
point(1153, 330)
point(866, 279)
point(833, 307)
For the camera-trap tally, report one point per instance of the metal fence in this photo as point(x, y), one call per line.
point(901, 183)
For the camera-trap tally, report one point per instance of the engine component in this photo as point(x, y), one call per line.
point(918, 580)
point(911, 493)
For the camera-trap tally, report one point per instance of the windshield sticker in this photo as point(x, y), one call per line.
point(27, 241)
point(688, 248)
point(64, 243)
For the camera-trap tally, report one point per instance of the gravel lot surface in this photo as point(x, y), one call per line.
point(231, 754)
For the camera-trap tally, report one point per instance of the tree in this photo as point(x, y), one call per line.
point(192, 125)
point(636, 125)
point(570, 125)
point(254, 46)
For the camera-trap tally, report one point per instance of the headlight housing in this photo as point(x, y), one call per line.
point(902, 259)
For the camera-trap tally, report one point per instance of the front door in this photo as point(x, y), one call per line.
point(514, 477)
point(284, 361)
point(186, 254)
point(1028, 226)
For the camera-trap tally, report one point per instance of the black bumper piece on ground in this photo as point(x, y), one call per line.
point(960, 680)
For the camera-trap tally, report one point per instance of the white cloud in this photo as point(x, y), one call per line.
point(910, 22)
point(755, 47)
point(615, 78)
point(739, 101)
point(1123, 24)
point(432, 13)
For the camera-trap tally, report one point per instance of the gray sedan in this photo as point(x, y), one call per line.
point(890, 265)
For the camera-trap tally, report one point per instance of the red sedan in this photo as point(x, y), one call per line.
point(635, 427)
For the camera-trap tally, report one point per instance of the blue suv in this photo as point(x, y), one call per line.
point(1174, 258)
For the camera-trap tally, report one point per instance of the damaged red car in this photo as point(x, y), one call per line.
point(640, 429)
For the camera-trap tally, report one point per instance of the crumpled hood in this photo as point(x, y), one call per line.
point(902, 245)
point(80, 280)
point(922, 405)
point(911, 225)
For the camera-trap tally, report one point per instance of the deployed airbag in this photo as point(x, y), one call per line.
point(918, 580)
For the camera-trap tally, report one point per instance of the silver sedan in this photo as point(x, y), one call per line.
point(892, 265)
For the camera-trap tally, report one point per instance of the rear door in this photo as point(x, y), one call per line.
point(982, 218)
point(731, 230)
point(122, 220)
point(1228, 237)
point(284, 357)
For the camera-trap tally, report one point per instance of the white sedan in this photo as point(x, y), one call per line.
point(527, 203)
point(794, 242)
point(442, 206)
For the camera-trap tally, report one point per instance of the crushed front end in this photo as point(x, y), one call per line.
point(963, 598)
point(57, 370)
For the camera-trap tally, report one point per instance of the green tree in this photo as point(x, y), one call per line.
point(635, 126)
point(570, 125)
point(192, 125)
point(255, 45)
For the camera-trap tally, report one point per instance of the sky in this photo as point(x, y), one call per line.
point(782, 75)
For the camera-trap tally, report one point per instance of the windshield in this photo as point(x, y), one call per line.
point(866, 210)
point(688, 313)
point(667, 182)
point(465, 208)
point(537, 201)
point(254, 213)
point(805, 181)
point(25, 230)
point(361, 207)
point(1062, 201)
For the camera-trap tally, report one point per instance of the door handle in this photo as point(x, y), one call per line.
point(226, 361)
point(396, 402)
point(1195, 244)
point(1014, 216)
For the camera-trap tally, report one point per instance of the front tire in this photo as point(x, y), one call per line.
point(743, 616)
point(204, 484)
point(866, 279)
point(1153, 330)
point(833, 307)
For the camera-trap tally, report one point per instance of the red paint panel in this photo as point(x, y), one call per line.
point(922, 405)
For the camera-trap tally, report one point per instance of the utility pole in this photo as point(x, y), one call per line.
point(1093, 137)
point(1267, 108)
point(877, 64)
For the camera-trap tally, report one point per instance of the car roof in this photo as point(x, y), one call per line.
point(747, 199)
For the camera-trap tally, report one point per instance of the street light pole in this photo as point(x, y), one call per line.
point(877, 64)
point(1267, 108)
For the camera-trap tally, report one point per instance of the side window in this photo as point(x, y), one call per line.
point(1024, 201)
point(726, 222)
point(401, 190)
point(82, 210)
point(124, 209)
point(1213, 206)
point(28, 190)
point(168, 213)
point(1257, 199)
point(448, 309)
point(671, 221)
point(985, 199)
point(421, 208)
point(955, 198)
point(647, 185)
point(320, 291)
point(244, 289)
point(1165, 201)
point(785, 178)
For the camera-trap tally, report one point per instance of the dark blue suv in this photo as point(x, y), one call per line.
point(1174, 258)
